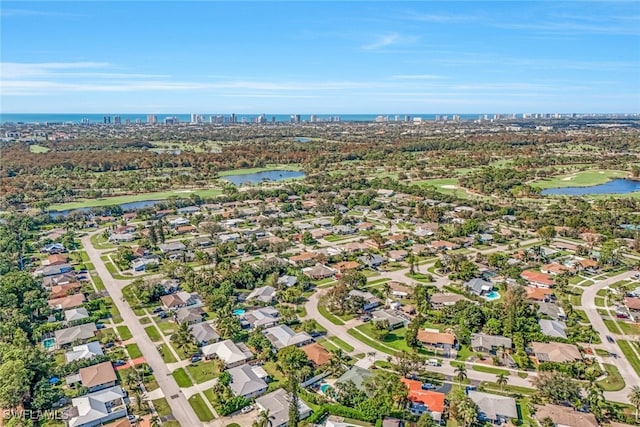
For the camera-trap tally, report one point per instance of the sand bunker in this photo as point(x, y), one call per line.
point(449, 186)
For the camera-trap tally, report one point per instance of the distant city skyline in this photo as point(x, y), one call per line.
point(319, 57)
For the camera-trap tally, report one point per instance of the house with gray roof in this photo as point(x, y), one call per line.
point(487, 343)
point(494, 408)
point(189, 315)
point(245, 382)
point(75, 333)
point(371, 260)
point(172, 247)
point(356, 375)
point(553, 328)
point(277, 405)
point(478, 287)
point(203, 333)
point(283, 336)
point(84, 351)
point(288, 281)
point(391, 316)
point(97, 408)
point(370, 301)
point(264, 294)
point(74, 314)
point(552, 310)
point(260, 317)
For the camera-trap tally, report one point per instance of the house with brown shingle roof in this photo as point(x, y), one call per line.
point(303, 258)
point(565, 416)
point(436, 339)
point(98, 377)
point(317, 354)
point(555, 352)
point(63, 303)
point(537, 294)
point(345, 266)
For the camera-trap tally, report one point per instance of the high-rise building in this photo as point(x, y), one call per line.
point(313, 118)
point(152, 118)
point(117, 120)
point(232, 118)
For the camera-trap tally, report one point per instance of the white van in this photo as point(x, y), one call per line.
point(433, 362)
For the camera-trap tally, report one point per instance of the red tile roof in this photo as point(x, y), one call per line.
point(432, 399)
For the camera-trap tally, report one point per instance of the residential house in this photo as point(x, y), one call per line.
point(180, 299)
point(317, 354)
point(97, 408)
point(170, 285)
point(57, 259)
point(555, 352)
point(371, 260)
point(424, 400)
point(537, 279)
point(538, 294)
point(392, 316)
point(400, 290)
point(364, 226)
point(166, 248)
point(75, 314)
point(370, 301)
point(283, 336)
point(141, 264)
point(71, 301)
point(245, 382)
point(73, 334)
point(346, 266)
point(444, 300)
point(397, 255)
point(494, 408)
point(353, 247)
point(189, 315)
point(443, 245)
point(264, 294)
point(433, 338)
point(98, 377)
point(177, 222)
point(553, 328)
point(564, 416)
point(121, 237)
point(277, 405)
point(555, 268)
point(66, 289)
point(53, 270)
point(478, 287)
point(357, 376)
point(60, 279)
point(203, 333)
point(84, 351)
point(53, 248)
point(303, 258)
point(287, 281)
point(318, 272)
point(551, 310)
point(227, 351)
point(260, 317)
point(488, 343)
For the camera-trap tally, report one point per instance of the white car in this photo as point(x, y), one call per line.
point(247, 409)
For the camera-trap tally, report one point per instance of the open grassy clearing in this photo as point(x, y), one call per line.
point(124, 332)
point(39, 149)
point(202, 371)
point(613, 381)
point(581, 179)
point(181, 377)
point(628, 352)
point(153, 333)
point(118, 200)
point(167, 355)
point(329, 316)
point(200, 408)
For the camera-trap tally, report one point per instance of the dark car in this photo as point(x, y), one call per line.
point(109, 344)
point(196, 358)
point(610, 339)
point(162, 315)
point(119, 363)
point(157, 310)
point(428, 386)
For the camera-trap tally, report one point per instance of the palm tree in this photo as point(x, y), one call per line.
point(634, 398)
point(502, 380)
point(461, 373)
point(338, 361)
point(263, 420)
point(155, 421)
point(386, 291)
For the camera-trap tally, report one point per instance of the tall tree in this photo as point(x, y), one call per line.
point(634, 398)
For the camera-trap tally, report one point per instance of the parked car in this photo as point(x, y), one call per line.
point(100, 326)
point(196, 358)
point(162, 314)
point(157, 310)
point(119, 362)
point(247, 409)
point(428, 386)
point(610, 339)
point(109, 344)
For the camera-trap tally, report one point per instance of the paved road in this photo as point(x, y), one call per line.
point(180, 407)
point(626, 370)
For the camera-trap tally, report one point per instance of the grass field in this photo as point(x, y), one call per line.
point(489, 369)
point(118, 200)
point(613, 381)
point(625, 346)
point(329, 316)
point(341, 344)
point(167, 355)
point(38, 149)
point(181, 377)
point(134, 351)
point(581, 179)
point(124, 332)
point(200, 408)
point(153, 333)
point(202, 371)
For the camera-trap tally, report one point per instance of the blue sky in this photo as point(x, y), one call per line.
point(320, 57)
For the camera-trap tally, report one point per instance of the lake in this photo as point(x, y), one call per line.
point(255, 178)
point(301, 139)
point(616, 186)
point(125, 207)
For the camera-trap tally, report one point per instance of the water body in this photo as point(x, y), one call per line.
point(616, 186)
point(131, 206)
point(301, 139)
point(254, 178)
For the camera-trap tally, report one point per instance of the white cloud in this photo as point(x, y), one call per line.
point(386, 40)
point(10, 70)
point(417, 77)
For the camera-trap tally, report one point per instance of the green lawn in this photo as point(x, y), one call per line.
point(124, 332)
point(202, 371)
point(625, 346)
point(162, 407)
point(144, 320)
point(118, 200)
point(134, 351)
point(612, 326)
point(277, 378)
point(629, 328)
point(599, 301)
point(343, 345)
point(464, 353)
point(181, 377)
point(153, 333)
point(581, 179)
point(489, 369)
point(200, 408)
point(391, 344)
point(167, 327)
point(613, 381)
point(167, 355)
point(329, 345)
point(38, 149)
point(329, 316)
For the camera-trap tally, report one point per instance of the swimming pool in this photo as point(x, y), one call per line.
point(238, 312)
point(493, 295)
point(49, 343)
point(324, 388)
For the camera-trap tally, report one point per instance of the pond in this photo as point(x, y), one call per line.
point(301, 139)
point(125, 207)
point(254, 178)
point(616, 186)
